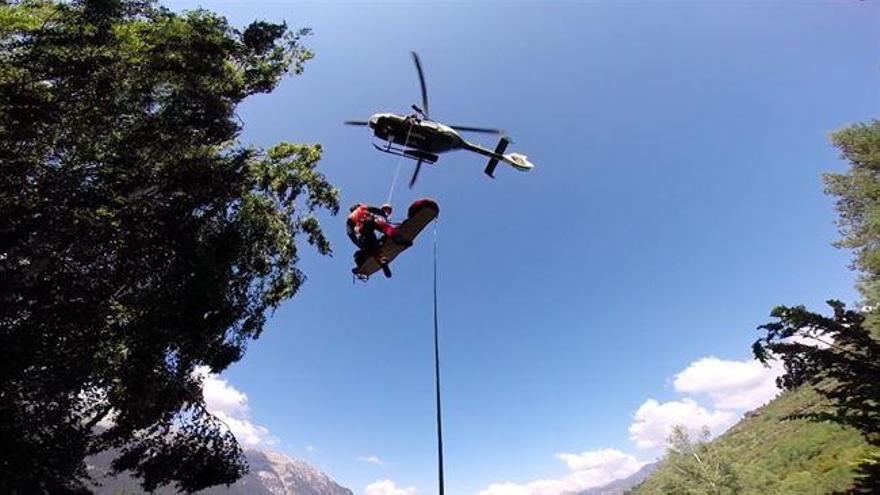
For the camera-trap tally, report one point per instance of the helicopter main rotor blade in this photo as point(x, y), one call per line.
point(356, 122)
point(477, 129)
point(422, 83)
point(415, 174)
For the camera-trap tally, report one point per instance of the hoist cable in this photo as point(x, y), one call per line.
point(440, 480)
point(399, 163)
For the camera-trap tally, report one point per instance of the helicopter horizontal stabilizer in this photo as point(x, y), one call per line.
point(493, 162)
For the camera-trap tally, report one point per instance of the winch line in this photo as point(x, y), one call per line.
point(440, 480)
point(399, 163)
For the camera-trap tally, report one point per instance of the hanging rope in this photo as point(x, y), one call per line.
point(399, 163)
point(394, 181)
point(441, 483)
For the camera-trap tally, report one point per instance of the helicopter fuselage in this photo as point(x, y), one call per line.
point(416, 133)
point(421, 139)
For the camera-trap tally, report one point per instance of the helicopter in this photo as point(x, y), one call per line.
point(419, 138)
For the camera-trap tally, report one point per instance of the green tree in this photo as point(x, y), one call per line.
point(840, 355)
point(840, 358)
point(857, 193)
point(139, 240)
point(696, 466)
point(837, 355)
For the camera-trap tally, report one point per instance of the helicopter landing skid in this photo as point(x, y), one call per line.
point(412, 154)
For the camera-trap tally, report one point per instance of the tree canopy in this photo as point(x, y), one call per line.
point(139, 240)
point(857, 193)
point(835, 354)
point(840, 355)
point(695, 466)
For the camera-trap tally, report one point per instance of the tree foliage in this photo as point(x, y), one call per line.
point(840, 358)
point(837, 355)
point(840, 355)
point(138, 239)
point(696, 467)
point(857, 193)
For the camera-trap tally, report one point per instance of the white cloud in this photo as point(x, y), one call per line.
point(609, 460)
point(221, 396)
point(730, 384)
point(732, 387)
point(108, 421)
point(506, 489)
point(231, 406)
point(653, 421)
point(371, 459)
point(588, 469)
point(310, 448)
point(246, 432)
point(387, 487)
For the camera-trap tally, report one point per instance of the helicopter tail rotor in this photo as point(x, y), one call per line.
point(493, 162)
point(515, 160)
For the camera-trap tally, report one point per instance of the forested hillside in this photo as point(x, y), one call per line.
point(769, 454)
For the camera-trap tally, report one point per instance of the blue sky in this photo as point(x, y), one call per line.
point(676, 199)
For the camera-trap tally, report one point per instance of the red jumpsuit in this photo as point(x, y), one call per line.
point(363, 221)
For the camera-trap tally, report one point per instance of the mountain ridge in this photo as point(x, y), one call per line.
point(623, 485)
point(271, 473)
